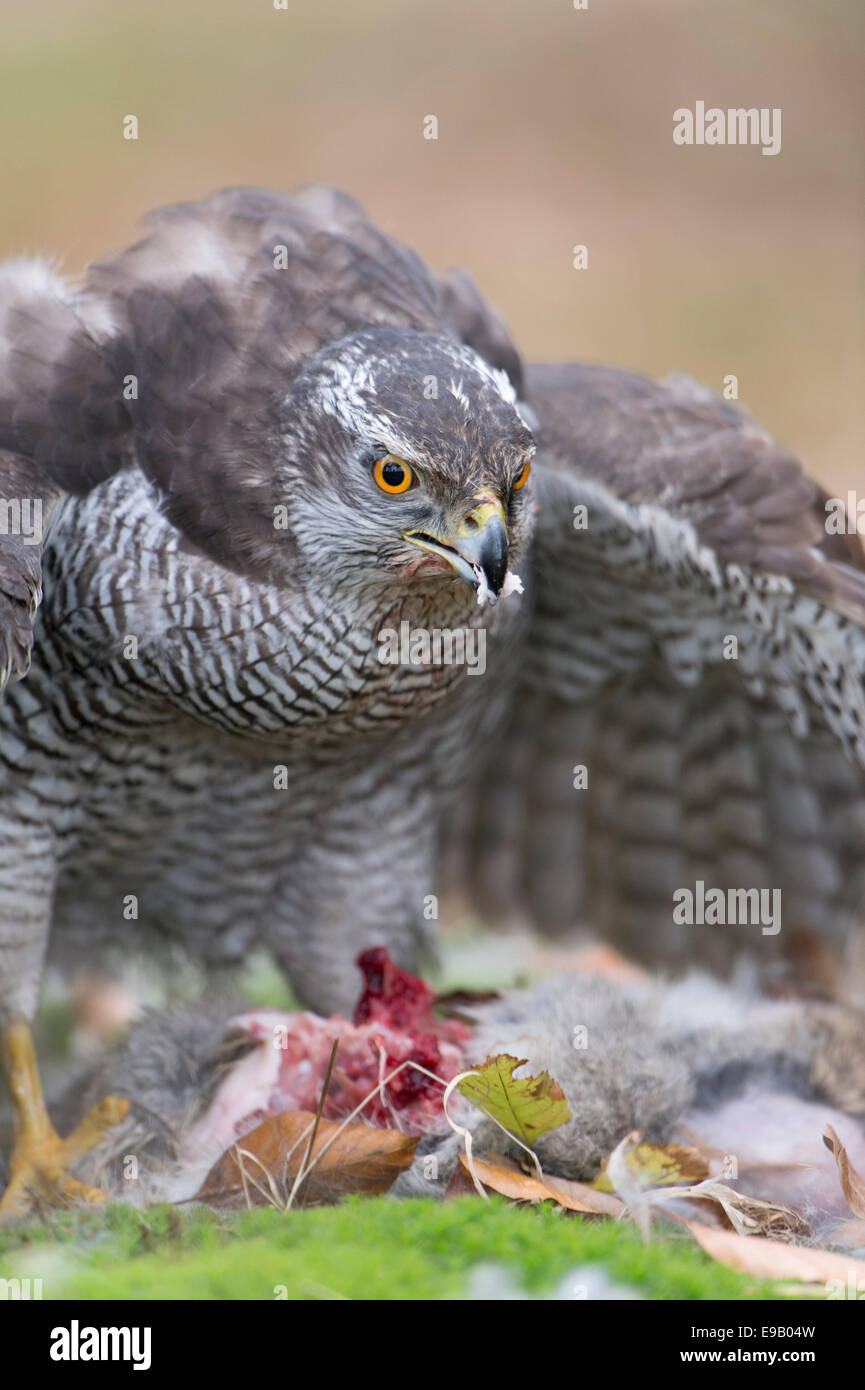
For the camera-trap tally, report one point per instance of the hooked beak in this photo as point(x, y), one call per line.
point(479, 548)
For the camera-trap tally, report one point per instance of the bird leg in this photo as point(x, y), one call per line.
point(40, 1158)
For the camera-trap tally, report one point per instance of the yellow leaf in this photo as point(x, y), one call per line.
point(661, 1165)
point(528, 1106)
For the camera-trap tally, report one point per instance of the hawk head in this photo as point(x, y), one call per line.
point(406, 458)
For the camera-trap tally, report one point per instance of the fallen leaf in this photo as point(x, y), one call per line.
point(659, 1165)
point(601, 1203)
point(852, 1184)
point(522, 1187)
point(747, 1215)
point(528, 1106)
point(261, 1167)
point(640, 1175)
point(770, 1259)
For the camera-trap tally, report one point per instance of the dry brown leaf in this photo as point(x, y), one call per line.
point(521, 1187)
point(747, 1215)
point(852, 1183)
point(596, 1203)
point(602, 1203)
point(771, 1259)
point(261, 1167)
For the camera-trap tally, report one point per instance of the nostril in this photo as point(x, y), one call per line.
point(470, 524)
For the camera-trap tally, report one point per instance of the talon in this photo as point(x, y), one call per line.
point(38, 1168)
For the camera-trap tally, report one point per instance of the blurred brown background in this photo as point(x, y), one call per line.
point(555, 127)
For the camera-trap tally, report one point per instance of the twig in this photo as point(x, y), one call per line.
point(303, 1169)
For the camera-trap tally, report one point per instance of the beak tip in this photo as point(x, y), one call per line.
point(491, 555)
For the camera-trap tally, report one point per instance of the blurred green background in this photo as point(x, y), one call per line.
point(555, 128)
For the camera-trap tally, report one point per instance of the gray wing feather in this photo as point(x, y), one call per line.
point(61, 431)
point(745, 772)
point(176, 355)
point(215, 312)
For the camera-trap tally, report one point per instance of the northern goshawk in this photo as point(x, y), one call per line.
point(269, 447)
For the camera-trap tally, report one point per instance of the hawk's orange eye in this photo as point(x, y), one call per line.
point(523, 478)
point(392, 475)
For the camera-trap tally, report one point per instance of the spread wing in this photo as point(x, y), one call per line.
point(214, 313)
point(696, 644)
point(61, 431)
point(176, 354)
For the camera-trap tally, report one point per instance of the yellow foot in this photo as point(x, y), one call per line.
point(38, 1167)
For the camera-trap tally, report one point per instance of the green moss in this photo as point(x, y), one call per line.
point(360, 1250)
